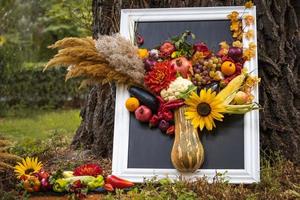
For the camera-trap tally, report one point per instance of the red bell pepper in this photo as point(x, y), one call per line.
point(117, 182)
point(154, 121)
point(171, 130)
point(108, 187)
point(32, 184)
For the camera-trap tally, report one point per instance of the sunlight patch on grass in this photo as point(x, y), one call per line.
point(39, 124)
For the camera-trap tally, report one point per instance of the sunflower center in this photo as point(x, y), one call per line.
point(29, 171)
point(203, 109)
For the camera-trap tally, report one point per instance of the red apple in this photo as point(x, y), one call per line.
point(181, 65)
point(143, 114)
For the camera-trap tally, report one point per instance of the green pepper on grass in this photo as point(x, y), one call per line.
point(60, 185)
point(97, 183)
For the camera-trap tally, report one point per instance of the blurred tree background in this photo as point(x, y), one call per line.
point(27, 27)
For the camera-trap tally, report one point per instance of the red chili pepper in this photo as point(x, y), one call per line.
point(174, 105)
point(160, 115)
point(171, 130)
point(160, 99)
point(173, 101)
point(108, 187)
point(117, 182)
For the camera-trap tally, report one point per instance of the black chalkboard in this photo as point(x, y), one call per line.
point(224, 147)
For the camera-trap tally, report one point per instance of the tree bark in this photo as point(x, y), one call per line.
point(278, 50)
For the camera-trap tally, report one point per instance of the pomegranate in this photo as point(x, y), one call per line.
point(182, 65)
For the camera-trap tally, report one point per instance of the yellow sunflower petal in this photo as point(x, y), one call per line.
point(191, 102)
point(212, 121)
point(190, 115)
point(208, 124)
point(202, 95)
point(201, 122)
point(24, 163)
point(195, 122)
point(19, 168)
point(217, 116)
point(191, 109)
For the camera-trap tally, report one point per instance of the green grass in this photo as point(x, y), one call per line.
point(24, 124)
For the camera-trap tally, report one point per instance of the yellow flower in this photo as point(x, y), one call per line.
point(233, 16)
point(237, 44)
point(252, 80)
point(143, 53)
point(28, 167)
point(235, 26)
point(249, 34)
point(204, 109)
point(237, 35)
point(252, 46)
point(197, 57)
point(249, 19)
point(224, 45)
point(2, 40)
point(249, 53)
point(249, 4)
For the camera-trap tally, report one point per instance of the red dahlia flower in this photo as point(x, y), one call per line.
point(88, 170)
point(161, 75)
point(166, 49)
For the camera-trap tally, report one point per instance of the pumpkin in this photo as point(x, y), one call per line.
point(187, 153)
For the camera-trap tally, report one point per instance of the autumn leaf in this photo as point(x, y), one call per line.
point(233, 16)
point(237, 44)
point(249, 4)
point(249, 34)
point(249, 19)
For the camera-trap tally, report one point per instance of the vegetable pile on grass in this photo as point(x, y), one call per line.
point(83, 179)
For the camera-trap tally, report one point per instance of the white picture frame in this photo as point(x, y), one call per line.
point(251, 171)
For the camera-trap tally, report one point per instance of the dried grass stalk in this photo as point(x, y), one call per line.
point(6, 157)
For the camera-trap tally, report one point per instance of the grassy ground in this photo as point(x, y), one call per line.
point(20, 125)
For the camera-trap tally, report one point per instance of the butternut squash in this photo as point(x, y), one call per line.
point(187, 153)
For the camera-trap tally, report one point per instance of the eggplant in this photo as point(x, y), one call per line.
point(145, 97)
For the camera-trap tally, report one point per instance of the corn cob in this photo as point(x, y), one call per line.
point(228, 93)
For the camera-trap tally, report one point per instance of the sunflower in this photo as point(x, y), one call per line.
point(28, 167)
point(203, 109)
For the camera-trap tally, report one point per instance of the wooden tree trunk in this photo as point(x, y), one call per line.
point(278, 48)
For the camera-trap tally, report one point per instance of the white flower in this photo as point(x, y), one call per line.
point(154, 53)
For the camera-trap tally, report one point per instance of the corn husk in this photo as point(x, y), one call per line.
point(241, 109)
point(228, 93)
